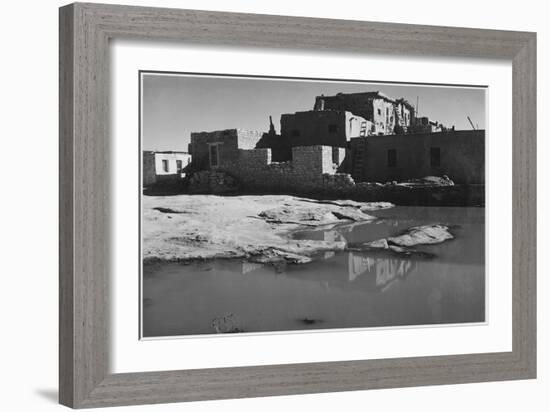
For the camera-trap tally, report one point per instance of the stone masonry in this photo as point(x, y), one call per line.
point(311, 170)
point(254, 169)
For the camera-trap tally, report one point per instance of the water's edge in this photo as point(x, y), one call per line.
point(339, 289)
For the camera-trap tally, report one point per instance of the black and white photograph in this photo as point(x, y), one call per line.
point(285, 204)
point(248, 206)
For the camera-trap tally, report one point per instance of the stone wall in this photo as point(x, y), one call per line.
point(338, 181)
point(211, 181)
point(254, 170)
point(313, 173)
point(248, 138)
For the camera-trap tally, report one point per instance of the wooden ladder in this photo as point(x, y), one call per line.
point(358, 159)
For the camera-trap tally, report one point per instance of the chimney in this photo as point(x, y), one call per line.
point(271, 126)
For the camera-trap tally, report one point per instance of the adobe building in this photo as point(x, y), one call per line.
point(457, 154)
point(163, 167)
point(405, 116)
point(281, 150)
point(425, 125)
point(235, 151)
point(347, 142)
point(311, 169)
point(326, 128)
point(388, 116)
point(211, 150)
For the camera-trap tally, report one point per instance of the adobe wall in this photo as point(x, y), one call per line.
point(325, 128)
point(229, 142)
point(153, 168)
point(313, 173)
point(172, 159)
point(312, 128)
point(200, 144)
point(281, 151)
point(149, 175)
point(462, 156)
point(383, 113)
point(383, 116)
point(359, 104)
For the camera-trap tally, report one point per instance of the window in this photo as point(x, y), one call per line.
point(165, 166)
point(336, 155)
point(363, 130)
point(332, 128)
point(435, 156)
point(295, 133)
point(392, 158)
point(379, 112)
point(179, 165)
point(214, 155)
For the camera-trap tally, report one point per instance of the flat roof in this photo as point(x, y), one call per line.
point(320, 112)
point(233, 129)
point(375, 93)
point(166, 151)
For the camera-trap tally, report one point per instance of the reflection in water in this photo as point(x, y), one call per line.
point(378, 272)
point(336, 290)
point(250, 267)
point(386, 270)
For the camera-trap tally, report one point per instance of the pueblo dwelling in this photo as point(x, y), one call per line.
point(344, 141)
point(164, 167)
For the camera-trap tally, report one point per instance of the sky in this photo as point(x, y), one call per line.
point(173, 106)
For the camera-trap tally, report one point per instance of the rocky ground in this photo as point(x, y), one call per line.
point(405, 242)
point(258, 228)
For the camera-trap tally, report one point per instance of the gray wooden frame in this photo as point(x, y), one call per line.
point(85, 30)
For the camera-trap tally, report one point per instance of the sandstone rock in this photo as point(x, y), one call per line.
point(422, 235)
point(397, 249)
point(314, 215)
point(367, 207)
point(410, 252)
point(209, 227)
point(430, 181)
point(346, 202)
point(296, 214)
point(402, 244)
point(351, 214)
point(377, 244)
point(276, 256)
point(363, 206)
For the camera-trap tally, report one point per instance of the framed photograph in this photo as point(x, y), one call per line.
point(256, 205)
